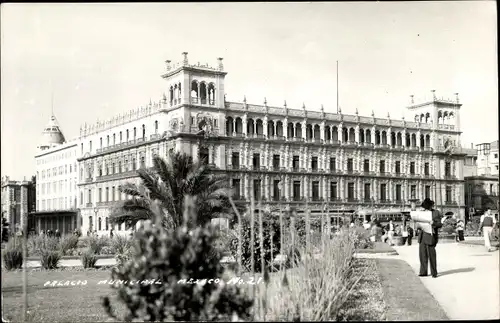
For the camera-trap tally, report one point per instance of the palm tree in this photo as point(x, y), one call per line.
point(160, 196)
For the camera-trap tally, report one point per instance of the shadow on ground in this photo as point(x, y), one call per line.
point(457, 271)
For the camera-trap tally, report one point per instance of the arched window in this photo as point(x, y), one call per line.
point(114, 139)
point(143, 132)
point(128, 137)
point(108, 141)
point(99, 228)
point(121, 138)
point(90, 223)
point(100, 141)
point(156, 127)
point(107, 224)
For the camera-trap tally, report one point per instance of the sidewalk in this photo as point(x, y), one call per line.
point(467, 287)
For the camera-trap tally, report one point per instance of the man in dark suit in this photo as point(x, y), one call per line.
point(428, 241)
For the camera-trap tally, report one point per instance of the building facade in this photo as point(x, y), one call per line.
point(283, 157)
point(57, 171)
point(487, 159)
point(18, 200)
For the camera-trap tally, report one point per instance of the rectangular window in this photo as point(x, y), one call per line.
point(427, 191)
point(398, 167)
point(314, 163)
point(350, 191)
point(256, 161)
point(426, 169)
point(143, 162)
point(113, 193)
point(276, 162)
point(350, 167)
point(412, 168)
point(398, 192)
point(315, 191)
point(235, 160)
point(367, 192)
point(332, 164)
point(276, 190)
point(256, 190)
point(100, 142)
point(107, 194)
point(296, 190)
point(295, 163)
point(333, 190)
point(100, 194)
point(383, 192)
point(90, 196)
point(413, 191)
point(447, 169)
point(382, 166)
point(448, 194)
point(366, 166)
point(90, 146)
point(236, 188)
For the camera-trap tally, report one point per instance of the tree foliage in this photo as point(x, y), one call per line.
point(162, 190)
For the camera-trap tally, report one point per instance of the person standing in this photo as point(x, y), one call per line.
point(487, 223)
point(460, 230)
point(409, 229)
point(428, 241)
point(390, 233)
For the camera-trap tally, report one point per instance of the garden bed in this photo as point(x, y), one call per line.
point(379, 247)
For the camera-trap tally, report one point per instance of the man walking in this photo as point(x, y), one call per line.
point(428, 241)
point(487, 222)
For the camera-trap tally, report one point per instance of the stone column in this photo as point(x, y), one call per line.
point(356, 134)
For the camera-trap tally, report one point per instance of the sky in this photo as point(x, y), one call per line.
point(94, 61)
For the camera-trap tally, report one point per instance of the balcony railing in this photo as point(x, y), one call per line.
point(235, 166)
point(89, 204)
point(117, 175)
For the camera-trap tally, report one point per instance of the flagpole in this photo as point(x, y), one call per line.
point(337, 87)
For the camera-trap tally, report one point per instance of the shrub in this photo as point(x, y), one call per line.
point(168, 257)
point(269, 221)
point(362, 238)
point(293, 257)
point(317, 289)
point(120, 243)
point(122, 258)
point(50, 259)
point(67, 243)
point(107, 250)
point(97, 243)
point(40, 244)
point(13, 254)
point(5, 230)
point(89, 259)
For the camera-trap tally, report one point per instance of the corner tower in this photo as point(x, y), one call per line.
point(195, 94)
point(443, 117)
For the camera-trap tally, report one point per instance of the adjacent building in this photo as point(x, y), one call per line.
point(281, 156)
point(57, 179)
point(18, 200)
point(481, 179)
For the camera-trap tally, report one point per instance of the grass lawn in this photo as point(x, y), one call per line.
point(406, 297)
point(366, 302)
point(56, 304)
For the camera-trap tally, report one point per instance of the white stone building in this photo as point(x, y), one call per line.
point(284, 157)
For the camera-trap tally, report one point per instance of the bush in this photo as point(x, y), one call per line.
point(5, 230)
point(120, 243)
point(50, 259)
point(107, 251)
point(97, 243)
point(13, 254)
point(168, 257)
point(269, 221)
point(67, 243)
point(362, 238)
point(40, 244)
point(89, 259)
point(293, 257)
point(318, 288)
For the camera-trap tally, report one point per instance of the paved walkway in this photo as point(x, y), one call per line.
point(467, 287)
point(73, 262)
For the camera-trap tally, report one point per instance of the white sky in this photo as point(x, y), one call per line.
point(103, 59)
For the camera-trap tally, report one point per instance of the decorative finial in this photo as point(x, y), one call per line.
point(322, 108)
point(150, 102)
point(340, 110)
point(433, 94)
point(356, 111)
point(265, 101)
point(303, 106)
point(220, 66)
point(411, 99)
point(185, 60)
point(388, 115)
point(168, 64)
point(244, 99)
point(373, 113)
point(456, 98)
point(285, 104)
point(403, 118)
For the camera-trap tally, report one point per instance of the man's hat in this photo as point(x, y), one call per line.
point(427, 203)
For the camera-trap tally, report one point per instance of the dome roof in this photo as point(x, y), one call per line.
point(52, 135)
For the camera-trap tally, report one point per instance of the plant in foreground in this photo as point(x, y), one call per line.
point(13, 254)
point(169, 257)
point(89, 259)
